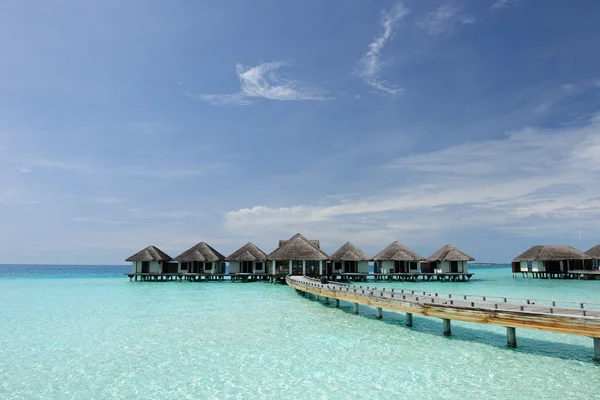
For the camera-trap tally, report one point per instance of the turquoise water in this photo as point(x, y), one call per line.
point(88, 333)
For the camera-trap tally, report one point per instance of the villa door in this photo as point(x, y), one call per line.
point(145, 267)
point(454, 266)
point(246, 267)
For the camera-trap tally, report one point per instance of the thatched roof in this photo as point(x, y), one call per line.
point(298, 248)
point(349, 252)
point(449, 253)
point(594, 252)
point(150, 253)
point(200, 252)
point(552, 253)
point(396, 251)
point(248, 252)
point(314, 243)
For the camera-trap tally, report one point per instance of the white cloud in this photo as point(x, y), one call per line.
point(263, 82)
point(501, 4)
point(369, 66)
point(557, 95)
point(22, 170)
point(533, 182)
point(443, 18)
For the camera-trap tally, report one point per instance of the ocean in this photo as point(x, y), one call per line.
point(86, 332)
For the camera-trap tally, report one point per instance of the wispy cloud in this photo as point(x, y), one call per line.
point(370, 65)
point(22, 170)
point(501, 4)
point(443, 19)
point(533, 182)
point(109, 200)
point(262, 81)
point(174, 172)
point(556, 95)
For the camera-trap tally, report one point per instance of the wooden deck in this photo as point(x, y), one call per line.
point(567, 317)
point(236, 277)
point(573, 274)
point(403, 277)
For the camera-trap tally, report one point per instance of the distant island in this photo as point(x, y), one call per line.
point(488, 263)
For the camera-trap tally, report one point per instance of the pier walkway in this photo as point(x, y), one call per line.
point(559, 316)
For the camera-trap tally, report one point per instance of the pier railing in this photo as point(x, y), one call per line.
point(552, 304)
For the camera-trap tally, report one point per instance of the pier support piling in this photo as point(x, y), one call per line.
point(379, 313)
point(337, 303)
point(355, 308)
point(326, 300)
point(596, 349)
point(409, 321)
point(511, 337)
point(447, 328)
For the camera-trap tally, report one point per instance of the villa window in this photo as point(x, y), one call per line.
point(530, 265)
point(595, 264)
point(207, 266)
point(413, 265)
point(258, 266)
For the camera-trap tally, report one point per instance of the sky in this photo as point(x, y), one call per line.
point(167, 123)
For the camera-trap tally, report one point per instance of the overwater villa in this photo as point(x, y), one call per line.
point(201, 259)
point(551, 261)
point(397, 259)
point(594, 252)
point(349, 259)
point(248, 259)
point(447, 260)
point(151, 260)
point(298, 256)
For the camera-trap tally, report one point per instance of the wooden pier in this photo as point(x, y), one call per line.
point(567, 317)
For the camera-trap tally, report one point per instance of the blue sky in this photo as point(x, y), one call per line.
point(124, 124)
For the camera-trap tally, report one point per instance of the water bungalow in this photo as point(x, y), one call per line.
point(447, 260)
point(397, 259)
point(551, 261)
point(349, 259)
point(201, 259)
point(594, 252)
point(151, 260)
point(298, 256)
point(248, 259)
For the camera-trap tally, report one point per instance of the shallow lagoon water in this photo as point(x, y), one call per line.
point(87, 332)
